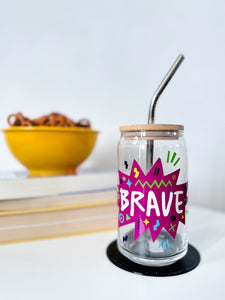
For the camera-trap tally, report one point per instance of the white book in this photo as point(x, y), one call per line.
point(57, 216)
point(22, 188)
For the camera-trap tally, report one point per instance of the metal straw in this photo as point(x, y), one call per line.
point(151, 114)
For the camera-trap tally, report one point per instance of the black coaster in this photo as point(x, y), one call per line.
point(184, 265)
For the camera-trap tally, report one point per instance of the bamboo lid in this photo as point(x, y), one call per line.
point(152, 127)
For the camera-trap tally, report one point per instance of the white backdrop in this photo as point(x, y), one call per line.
point(103, 60)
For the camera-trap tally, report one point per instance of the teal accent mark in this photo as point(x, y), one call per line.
point(156, 225)
point(163, 244)
point(168, 243)
point(129, 183)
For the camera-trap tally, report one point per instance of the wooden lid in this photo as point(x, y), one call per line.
point(152, 127)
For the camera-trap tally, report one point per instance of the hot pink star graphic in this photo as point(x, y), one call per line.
point(154, 197)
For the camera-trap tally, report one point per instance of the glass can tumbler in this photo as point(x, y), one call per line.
point(152, 194)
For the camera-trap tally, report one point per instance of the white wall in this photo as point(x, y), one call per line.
point(103, 60)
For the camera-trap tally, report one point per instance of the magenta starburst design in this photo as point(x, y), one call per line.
point(153, 201)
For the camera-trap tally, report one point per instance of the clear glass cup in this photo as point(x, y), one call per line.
point(152, 194)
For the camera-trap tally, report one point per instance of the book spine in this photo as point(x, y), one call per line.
point(43, 225)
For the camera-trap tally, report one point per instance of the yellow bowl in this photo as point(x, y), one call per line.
point(50, 150)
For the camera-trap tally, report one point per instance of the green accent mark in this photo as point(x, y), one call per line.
point(127, 217)
point(124, 178)
point(176, 161)
point(168, 156)
point(154, 182)
point(172, 227)
point(173, 157)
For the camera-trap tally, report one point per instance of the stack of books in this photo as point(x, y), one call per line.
point(40, 208)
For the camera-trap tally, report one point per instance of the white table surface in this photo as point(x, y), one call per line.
point(77, 268)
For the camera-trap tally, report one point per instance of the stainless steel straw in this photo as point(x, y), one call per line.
point(151, 114)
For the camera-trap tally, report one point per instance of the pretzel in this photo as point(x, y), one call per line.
point(53, 119)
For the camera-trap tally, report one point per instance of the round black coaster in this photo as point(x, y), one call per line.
point(184, 265)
